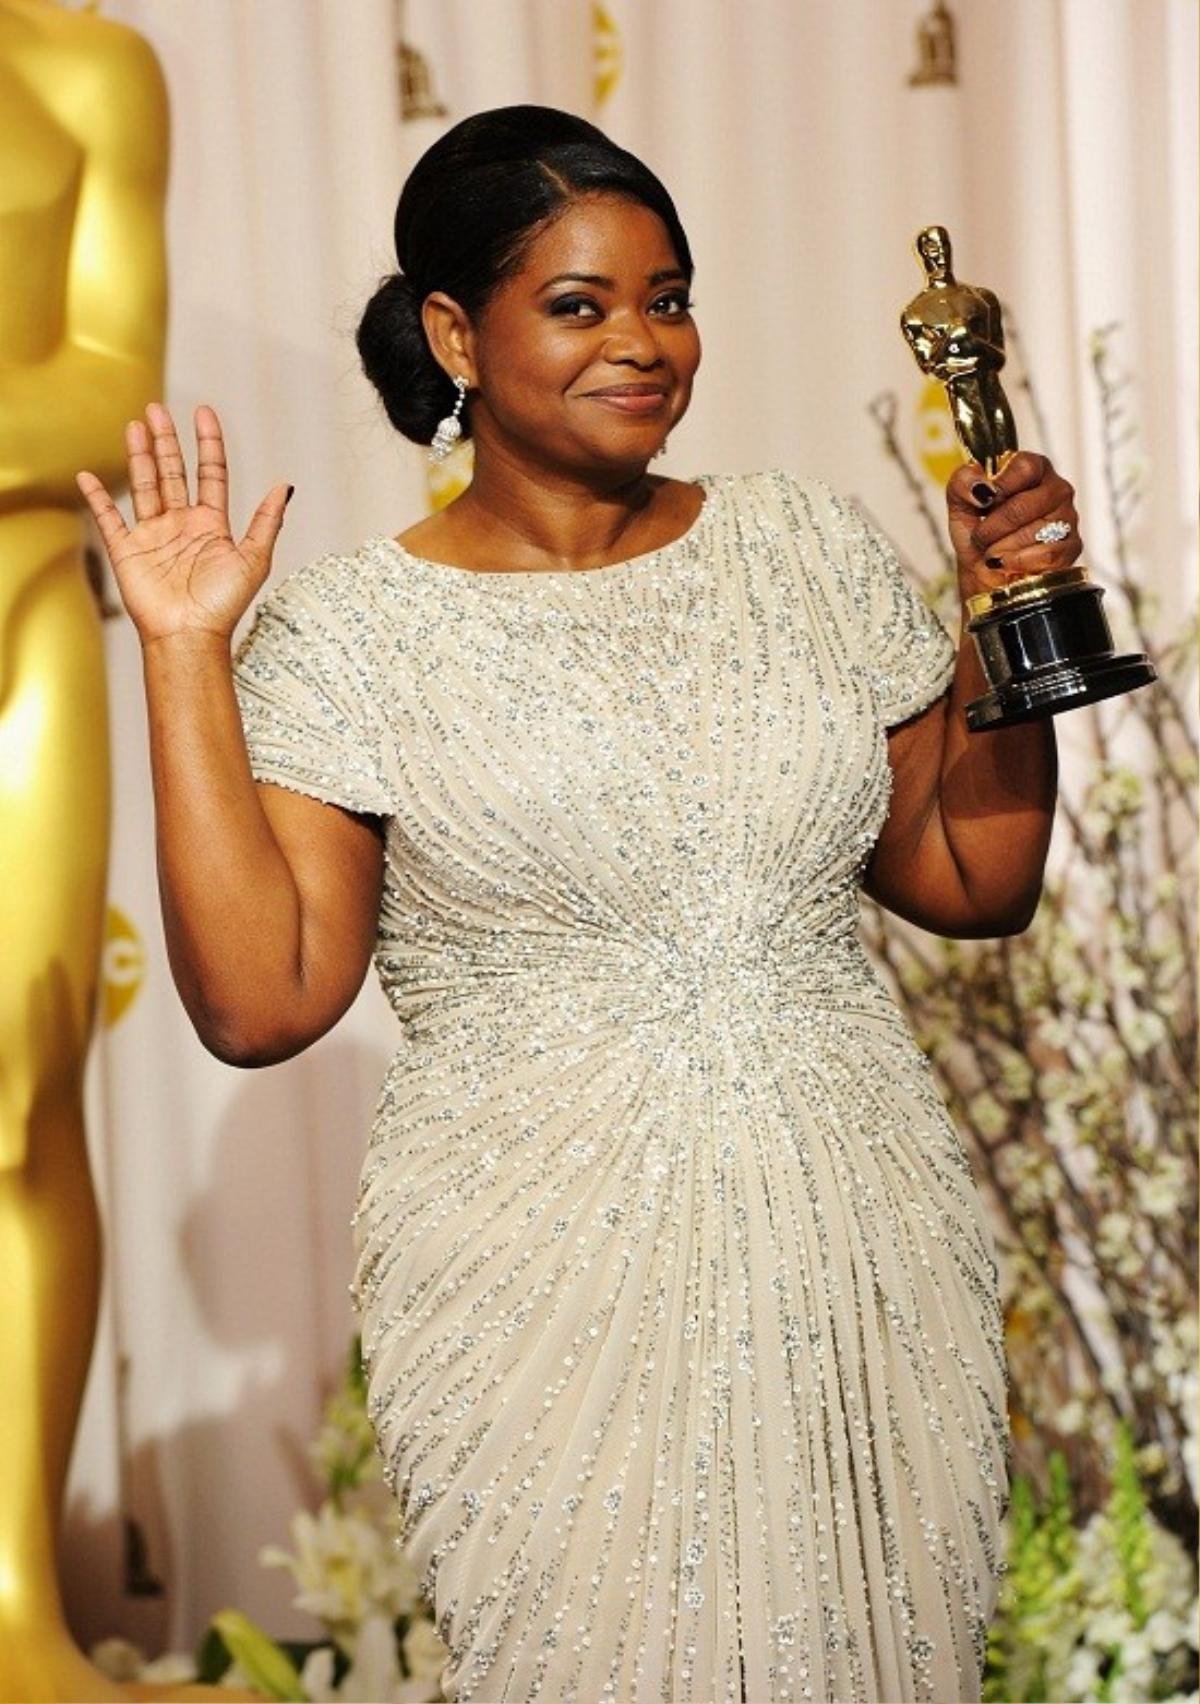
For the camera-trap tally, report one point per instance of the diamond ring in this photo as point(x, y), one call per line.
point(1052, 532)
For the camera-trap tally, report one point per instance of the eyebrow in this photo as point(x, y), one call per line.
point(659, 277)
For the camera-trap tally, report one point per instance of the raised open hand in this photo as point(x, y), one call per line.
point(178, 568)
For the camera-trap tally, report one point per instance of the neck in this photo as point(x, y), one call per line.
point(550, 518)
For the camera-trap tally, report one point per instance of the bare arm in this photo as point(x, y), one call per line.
point(269, 899)
point(964, 847)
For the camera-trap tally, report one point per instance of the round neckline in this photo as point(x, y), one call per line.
point(704, 480)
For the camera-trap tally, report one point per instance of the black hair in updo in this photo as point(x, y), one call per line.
point(468, 210)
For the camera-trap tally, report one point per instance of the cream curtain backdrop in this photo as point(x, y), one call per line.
point(802, 161)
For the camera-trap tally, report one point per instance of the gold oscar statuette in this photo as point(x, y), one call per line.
point(84, 142)
point(1043, 639)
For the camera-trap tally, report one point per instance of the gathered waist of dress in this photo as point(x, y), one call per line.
point(715, 965)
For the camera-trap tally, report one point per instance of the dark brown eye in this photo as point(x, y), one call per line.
point(567, 305)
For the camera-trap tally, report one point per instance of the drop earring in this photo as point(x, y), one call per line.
point(449, 431)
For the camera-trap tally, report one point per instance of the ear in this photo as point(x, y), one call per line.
point(450, 335)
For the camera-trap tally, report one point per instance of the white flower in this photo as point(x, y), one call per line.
point(1163, 1631)
point(1083, 1674)
point(316, 1677)
point(424, 1650)
point(423, 1692)
point(119, 1659)
point(1108, 1625)
point(1143, 1031)
point(988, 1116)
point(1071, 1416)
point(1053, 1032)
point(1151, 1459)
point(346, 1569)
point(1161, 1191)
point(171, 1669)
point(914, 977)
point(1125, 972)
point(1113, 1064)
point(374, 1676)
point(1017, 1075)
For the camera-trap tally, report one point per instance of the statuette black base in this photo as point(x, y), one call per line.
point(1046, 653)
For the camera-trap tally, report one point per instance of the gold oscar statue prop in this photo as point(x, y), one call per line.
point(83, 140)
point(1043, 640)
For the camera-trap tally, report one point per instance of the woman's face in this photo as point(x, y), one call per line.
point(599, 302)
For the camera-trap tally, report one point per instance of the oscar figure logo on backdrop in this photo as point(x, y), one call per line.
point(83, 140)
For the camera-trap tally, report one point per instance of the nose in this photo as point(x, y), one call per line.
point(631, 339)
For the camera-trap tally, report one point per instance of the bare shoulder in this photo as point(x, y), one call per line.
point(682, 499)
point(429, 535)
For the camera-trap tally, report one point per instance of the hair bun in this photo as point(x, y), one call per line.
point(398, 361)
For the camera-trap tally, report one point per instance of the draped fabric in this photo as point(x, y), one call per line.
point(803, 159)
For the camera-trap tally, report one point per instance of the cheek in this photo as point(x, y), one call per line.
point(688, 350)
point(528, 371)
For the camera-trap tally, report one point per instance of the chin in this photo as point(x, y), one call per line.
point(616, 456)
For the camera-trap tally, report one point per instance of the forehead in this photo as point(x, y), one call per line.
point(600, 233)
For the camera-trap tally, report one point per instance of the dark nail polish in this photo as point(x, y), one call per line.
point(288, 498)
point(983, 494)
point(993, 561)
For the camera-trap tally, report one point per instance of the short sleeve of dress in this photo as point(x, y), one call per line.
point(311, 720)
point(909, 653)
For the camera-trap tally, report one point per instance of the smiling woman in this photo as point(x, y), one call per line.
point(548, 269)
point(679, 1306)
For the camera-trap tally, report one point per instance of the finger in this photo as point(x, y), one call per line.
point(212, 475)
point(1030, 555)
point(1027, 468)
point(1038, 558)
point(143, 472)
point(107, 516)
point(1030, 508)
point(972, 489)
point(969, 489)
point(172, 474)
point(265, 523)
point(1025, 538)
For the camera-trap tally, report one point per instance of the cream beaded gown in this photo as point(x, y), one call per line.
point(679, 1308)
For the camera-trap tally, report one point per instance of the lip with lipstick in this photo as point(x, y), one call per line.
point(631, 398)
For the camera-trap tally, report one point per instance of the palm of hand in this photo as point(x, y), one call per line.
point(185, 564)
point(179, 568)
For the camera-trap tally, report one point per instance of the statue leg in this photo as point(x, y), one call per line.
point(54, 827)
point(54, 776)
point(1004, 430)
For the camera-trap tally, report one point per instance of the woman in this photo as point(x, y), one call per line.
point(678, 1303)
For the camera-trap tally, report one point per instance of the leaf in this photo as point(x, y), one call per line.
point(264, 1664)
point(212, 1657)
